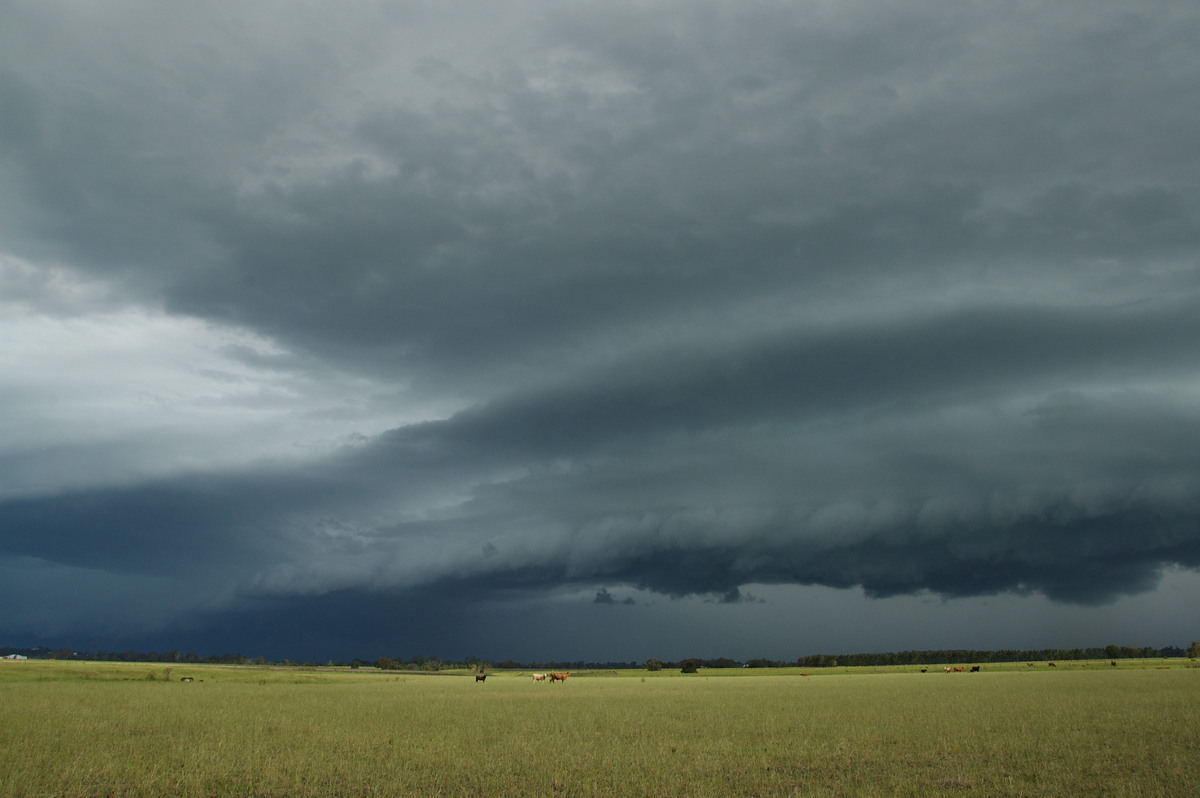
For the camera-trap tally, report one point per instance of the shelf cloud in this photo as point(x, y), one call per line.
point(396, 317)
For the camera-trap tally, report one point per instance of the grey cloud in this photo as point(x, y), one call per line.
point(482, 241)
point(1079, 503)
point(688, 296)
point(967, 354)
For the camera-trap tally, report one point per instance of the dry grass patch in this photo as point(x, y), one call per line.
point(1081, 733)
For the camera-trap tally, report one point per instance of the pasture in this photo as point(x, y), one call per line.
point(107, 729)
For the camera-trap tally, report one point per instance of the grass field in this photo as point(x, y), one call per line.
point(107, 729)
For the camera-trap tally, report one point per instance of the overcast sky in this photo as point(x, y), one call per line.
point(553, 330)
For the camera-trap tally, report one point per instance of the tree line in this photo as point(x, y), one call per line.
point(958, 656)
point(138, 656)
point(434, 664)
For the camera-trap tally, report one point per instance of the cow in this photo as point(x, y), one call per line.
point(974, 669)
point(947, 669)
point(479, 677)
point(559, 677)
point(539, 677)
point(186, 679)
point(1051, 665)
point(1113, 663)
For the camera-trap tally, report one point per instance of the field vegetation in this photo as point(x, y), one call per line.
point(122, 729)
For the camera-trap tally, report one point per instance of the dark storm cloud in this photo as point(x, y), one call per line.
point(168, 528)
point(686, 500)
point(515, 221)
point(690, 296)
point(983, 352)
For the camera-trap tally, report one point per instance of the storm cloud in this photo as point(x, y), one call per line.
point(425, 314)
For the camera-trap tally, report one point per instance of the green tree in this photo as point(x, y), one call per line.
point(1194, 649)
point(653, 665)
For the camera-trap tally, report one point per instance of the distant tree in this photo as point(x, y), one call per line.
point(1194, 649)
point(688, 667)
point(817, 661)
point(653, 665)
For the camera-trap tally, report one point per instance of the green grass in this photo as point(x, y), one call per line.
point(105, 729)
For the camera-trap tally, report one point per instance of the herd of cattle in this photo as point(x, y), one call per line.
point(537, 677)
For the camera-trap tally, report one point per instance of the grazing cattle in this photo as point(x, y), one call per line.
point(1113, 663)
point(559, 677)
point(974, 669)
point(186, 679)
point(479, 677)
point(539, 677)
point(958, 669)
point(1051, 665)
point(947, 669)
point(924, 669)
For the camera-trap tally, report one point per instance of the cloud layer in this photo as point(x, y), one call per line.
point(670, 298)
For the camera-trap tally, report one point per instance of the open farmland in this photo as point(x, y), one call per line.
point(92, 729)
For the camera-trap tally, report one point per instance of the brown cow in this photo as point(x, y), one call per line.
point(559, 677)
point(479, 677)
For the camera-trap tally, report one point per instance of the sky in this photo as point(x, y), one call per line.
point(557, 331)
